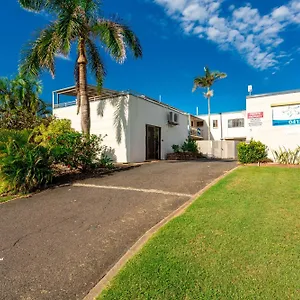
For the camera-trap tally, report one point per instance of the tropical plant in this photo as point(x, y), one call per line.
point(78, 21)
point(24, 167)
point(207, 81)
point(43, 134)
point(21, 94)
point(189, 145)
point(287, 156)
point(76, 150)
point(252, 152)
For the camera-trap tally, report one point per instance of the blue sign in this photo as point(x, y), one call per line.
point(199, 131)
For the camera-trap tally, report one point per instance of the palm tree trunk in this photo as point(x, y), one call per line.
point(84, 101)
point(208, 110)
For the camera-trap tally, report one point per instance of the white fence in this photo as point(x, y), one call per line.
point(219, 149)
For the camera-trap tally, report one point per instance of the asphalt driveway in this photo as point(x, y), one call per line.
point(58, 244)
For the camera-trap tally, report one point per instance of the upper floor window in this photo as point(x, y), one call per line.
point(215, 124)
point(200, 124)
point(192, 123)
point(233, 123)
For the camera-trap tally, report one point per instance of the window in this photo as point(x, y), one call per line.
point(192, 124)
point(233, 123)
point(215, 124)
point(200, 124)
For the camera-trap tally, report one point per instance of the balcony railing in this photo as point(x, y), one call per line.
point(196, 132)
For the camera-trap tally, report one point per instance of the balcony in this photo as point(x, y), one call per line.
point(196, 133)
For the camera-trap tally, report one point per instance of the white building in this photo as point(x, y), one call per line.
point(225, 126)
point(136, 127)
point(273, 119)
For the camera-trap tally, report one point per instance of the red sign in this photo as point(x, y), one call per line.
point(256, 115)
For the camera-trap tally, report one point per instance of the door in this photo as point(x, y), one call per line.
point(153, 142)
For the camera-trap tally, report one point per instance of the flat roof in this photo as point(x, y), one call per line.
point(92, 92)
point(273, 94)
point(94, 95)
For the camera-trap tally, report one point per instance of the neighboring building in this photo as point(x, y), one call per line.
point(196, 128)
point(225, 126)
point(274, 119)
point(137, 128)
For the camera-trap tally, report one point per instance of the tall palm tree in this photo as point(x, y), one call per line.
point(207, 81)
point(78, 21)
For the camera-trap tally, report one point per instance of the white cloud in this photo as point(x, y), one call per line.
point(61, 56)
point(257, 38)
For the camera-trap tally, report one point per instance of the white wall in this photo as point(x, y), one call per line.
point(273, 136)
point(228, 133)
point(113, 123)
point(143, 112)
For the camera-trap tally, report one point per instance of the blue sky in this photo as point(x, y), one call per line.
point(255, 42)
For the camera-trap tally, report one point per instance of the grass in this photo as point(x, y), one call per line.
point(240, 240)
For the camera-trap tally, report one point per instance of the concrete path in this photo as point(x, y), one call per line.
point(58, 244)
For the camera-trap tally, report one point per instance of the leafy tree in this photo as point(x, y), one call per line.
point(20, 104)
point(79, 22)
point(207, 81)
point(22, 93)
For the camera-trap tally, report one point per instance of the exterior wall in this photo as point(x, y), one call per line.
point(108, 117)
point(143, 112)
point(218, 149)
point(273, 136)
point(224, 132)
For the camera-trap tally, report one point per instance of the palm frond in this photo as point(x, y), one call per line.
point(40, 54)
point(110, 34)
point(95, 63)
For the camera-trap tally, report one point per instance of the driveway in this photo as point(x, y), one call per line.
point(58, 244)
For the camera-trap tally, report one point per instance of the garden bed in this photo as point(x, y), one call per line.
point(183, 156)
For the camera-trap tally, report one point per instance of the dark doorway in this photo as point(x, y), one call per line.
point(153, 144)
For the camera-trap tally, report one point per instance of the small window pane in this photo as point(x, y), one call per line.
point(233, 123)
point(215, 123)
point(200, 124)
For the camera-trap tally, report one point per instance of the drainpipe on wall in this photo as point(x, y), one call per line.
point(221, 128)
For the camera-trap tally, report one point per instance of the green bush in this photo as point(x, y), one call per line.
point(42, 134)
point(189, 145)
point(76, 150)
point(21, 119)
point(24, 167)
point(176, 148)
point(252, 152)
point(20, 136)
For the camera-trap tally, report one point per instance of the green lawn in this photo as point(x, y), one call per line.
point(240, 240)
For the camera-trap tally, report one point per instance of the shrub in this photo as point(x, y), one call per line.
point(287, 156)
point(252, 152)
point(190, 145)
point(56, 127)
point(176, 148)
point(24, 167)
point(75, 150)
point(21, 119)
point(20, 136)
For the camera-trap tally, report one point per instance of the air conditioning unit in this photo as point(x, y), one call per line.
point(173, 118)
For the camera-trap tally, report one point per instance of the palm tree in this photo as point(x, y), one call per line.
point(206, 81)
point(78, 21)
